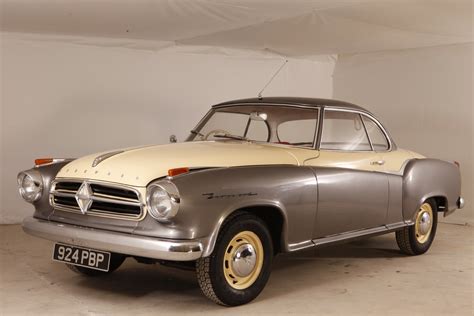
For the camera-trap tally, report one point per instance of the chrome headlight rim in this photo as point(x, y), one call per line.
point(171, 196)
point(35, 193)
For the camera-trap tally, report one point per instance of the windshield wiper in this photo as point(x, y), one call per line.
point(237, 137)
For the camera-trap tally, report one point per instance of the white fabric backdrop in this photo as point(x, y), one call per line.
point(288, 27)
point(65, 99)
point(424, 96)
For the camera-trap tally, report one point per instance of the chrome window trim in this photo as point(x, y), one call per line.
point(382, 129)
point(370, 116)
point(101, 198)
point(366, 133)
point(291, 105)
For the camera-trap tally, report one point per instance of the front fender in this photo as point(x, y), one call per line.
point(208, 197)
point(426, 178)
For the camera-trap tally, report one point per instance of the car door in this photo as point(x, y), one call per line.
point(352, 186)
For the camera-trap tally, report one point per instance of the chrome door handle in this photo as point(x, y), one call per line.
point(378, 162)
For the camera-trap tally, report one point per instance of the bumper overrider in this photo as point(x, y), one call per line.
point(460, 203)
point(133, 245)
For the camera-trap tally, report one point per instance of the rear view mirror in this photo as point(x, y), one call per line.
point(258, 116)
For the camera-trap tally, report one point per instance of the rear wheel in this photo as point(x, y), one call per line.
point(239, 267)
point(116, 261)
point(417, 239)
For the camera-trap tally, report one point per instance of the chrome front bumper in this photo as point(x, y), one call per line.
point(175, 250)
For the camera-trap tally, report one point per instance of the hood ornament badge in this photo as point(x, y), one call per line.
point(84, 197)
point(102, 157)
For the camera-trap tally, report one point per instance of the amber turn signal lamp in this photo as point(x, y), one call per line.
point(43, 161)
point(177, 171)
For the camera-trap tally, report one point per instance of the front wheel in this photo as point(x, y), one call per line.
point(239, 267)
point(417, 239)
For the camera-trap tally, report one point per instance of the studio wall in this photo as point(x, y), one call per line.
point(66, 98)
point(424, 97)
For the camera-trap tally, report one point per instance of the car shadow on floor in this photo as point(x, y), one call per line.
point(308, 269)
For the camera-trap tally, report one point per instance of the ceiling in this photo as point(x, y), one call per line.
point(292, 28)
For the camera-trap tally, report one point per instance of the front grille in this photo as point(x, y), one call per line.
point(113, 191)
point(108, 200)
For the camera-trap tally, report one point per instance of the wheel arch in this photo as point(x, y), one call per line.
point(440, 199)
point(274, 217)
point(425, 179)
point(441, 202)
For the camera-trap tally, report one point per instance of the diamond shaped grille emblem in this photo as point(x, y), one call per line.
point(84, 197)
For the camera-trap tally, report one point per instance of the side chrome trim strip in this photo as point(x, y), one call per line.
point(301, 245)
point(319, 242)
point(359, 233)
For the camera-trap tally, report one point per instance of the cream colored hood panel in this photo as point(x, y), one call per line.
point(139, 166)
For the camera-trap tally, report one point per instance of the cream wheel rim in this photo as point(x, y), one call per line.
point(243, 260)
point(424, 223)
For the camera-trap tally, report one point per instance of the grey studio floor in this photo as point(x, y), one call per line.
point(367, 277)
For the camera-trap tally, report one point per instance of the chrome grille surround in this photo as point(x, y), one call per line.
point(62, 196)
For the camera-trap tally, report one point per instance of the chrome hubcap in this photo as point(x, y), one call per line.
point(244, 260)
point(425, 223)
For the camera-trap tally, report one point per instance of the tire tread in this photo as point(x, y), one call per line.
point(403, 241)
point(204, 280)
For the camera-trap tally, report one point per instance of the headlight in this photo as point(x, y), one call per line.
point(30, 185)
point(162, 200)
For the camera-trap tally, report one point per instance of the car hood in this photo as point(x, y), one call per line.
point(140, 166)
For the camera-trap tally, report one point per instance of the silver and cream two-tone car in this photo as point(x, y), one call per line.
point(255, 178)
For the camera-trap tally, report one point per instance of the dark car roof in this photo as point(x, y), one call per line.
point(296, 101)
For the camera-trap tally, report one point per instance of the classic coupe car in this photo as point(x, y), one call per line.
point(255, 178)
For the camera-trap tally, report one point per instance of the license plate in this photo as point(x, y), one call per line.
point(84, 257)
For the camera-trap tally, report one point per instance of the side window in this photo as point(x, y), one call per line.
point(344, 131)
point(298, 132)
point(301, 131)
point(377, 137)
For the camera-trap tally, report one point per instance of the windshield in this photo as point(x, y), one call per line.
point(259, 123)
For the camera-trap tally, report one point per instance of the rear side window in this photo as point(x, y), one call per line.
point(377, 137)
point(344, 131)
